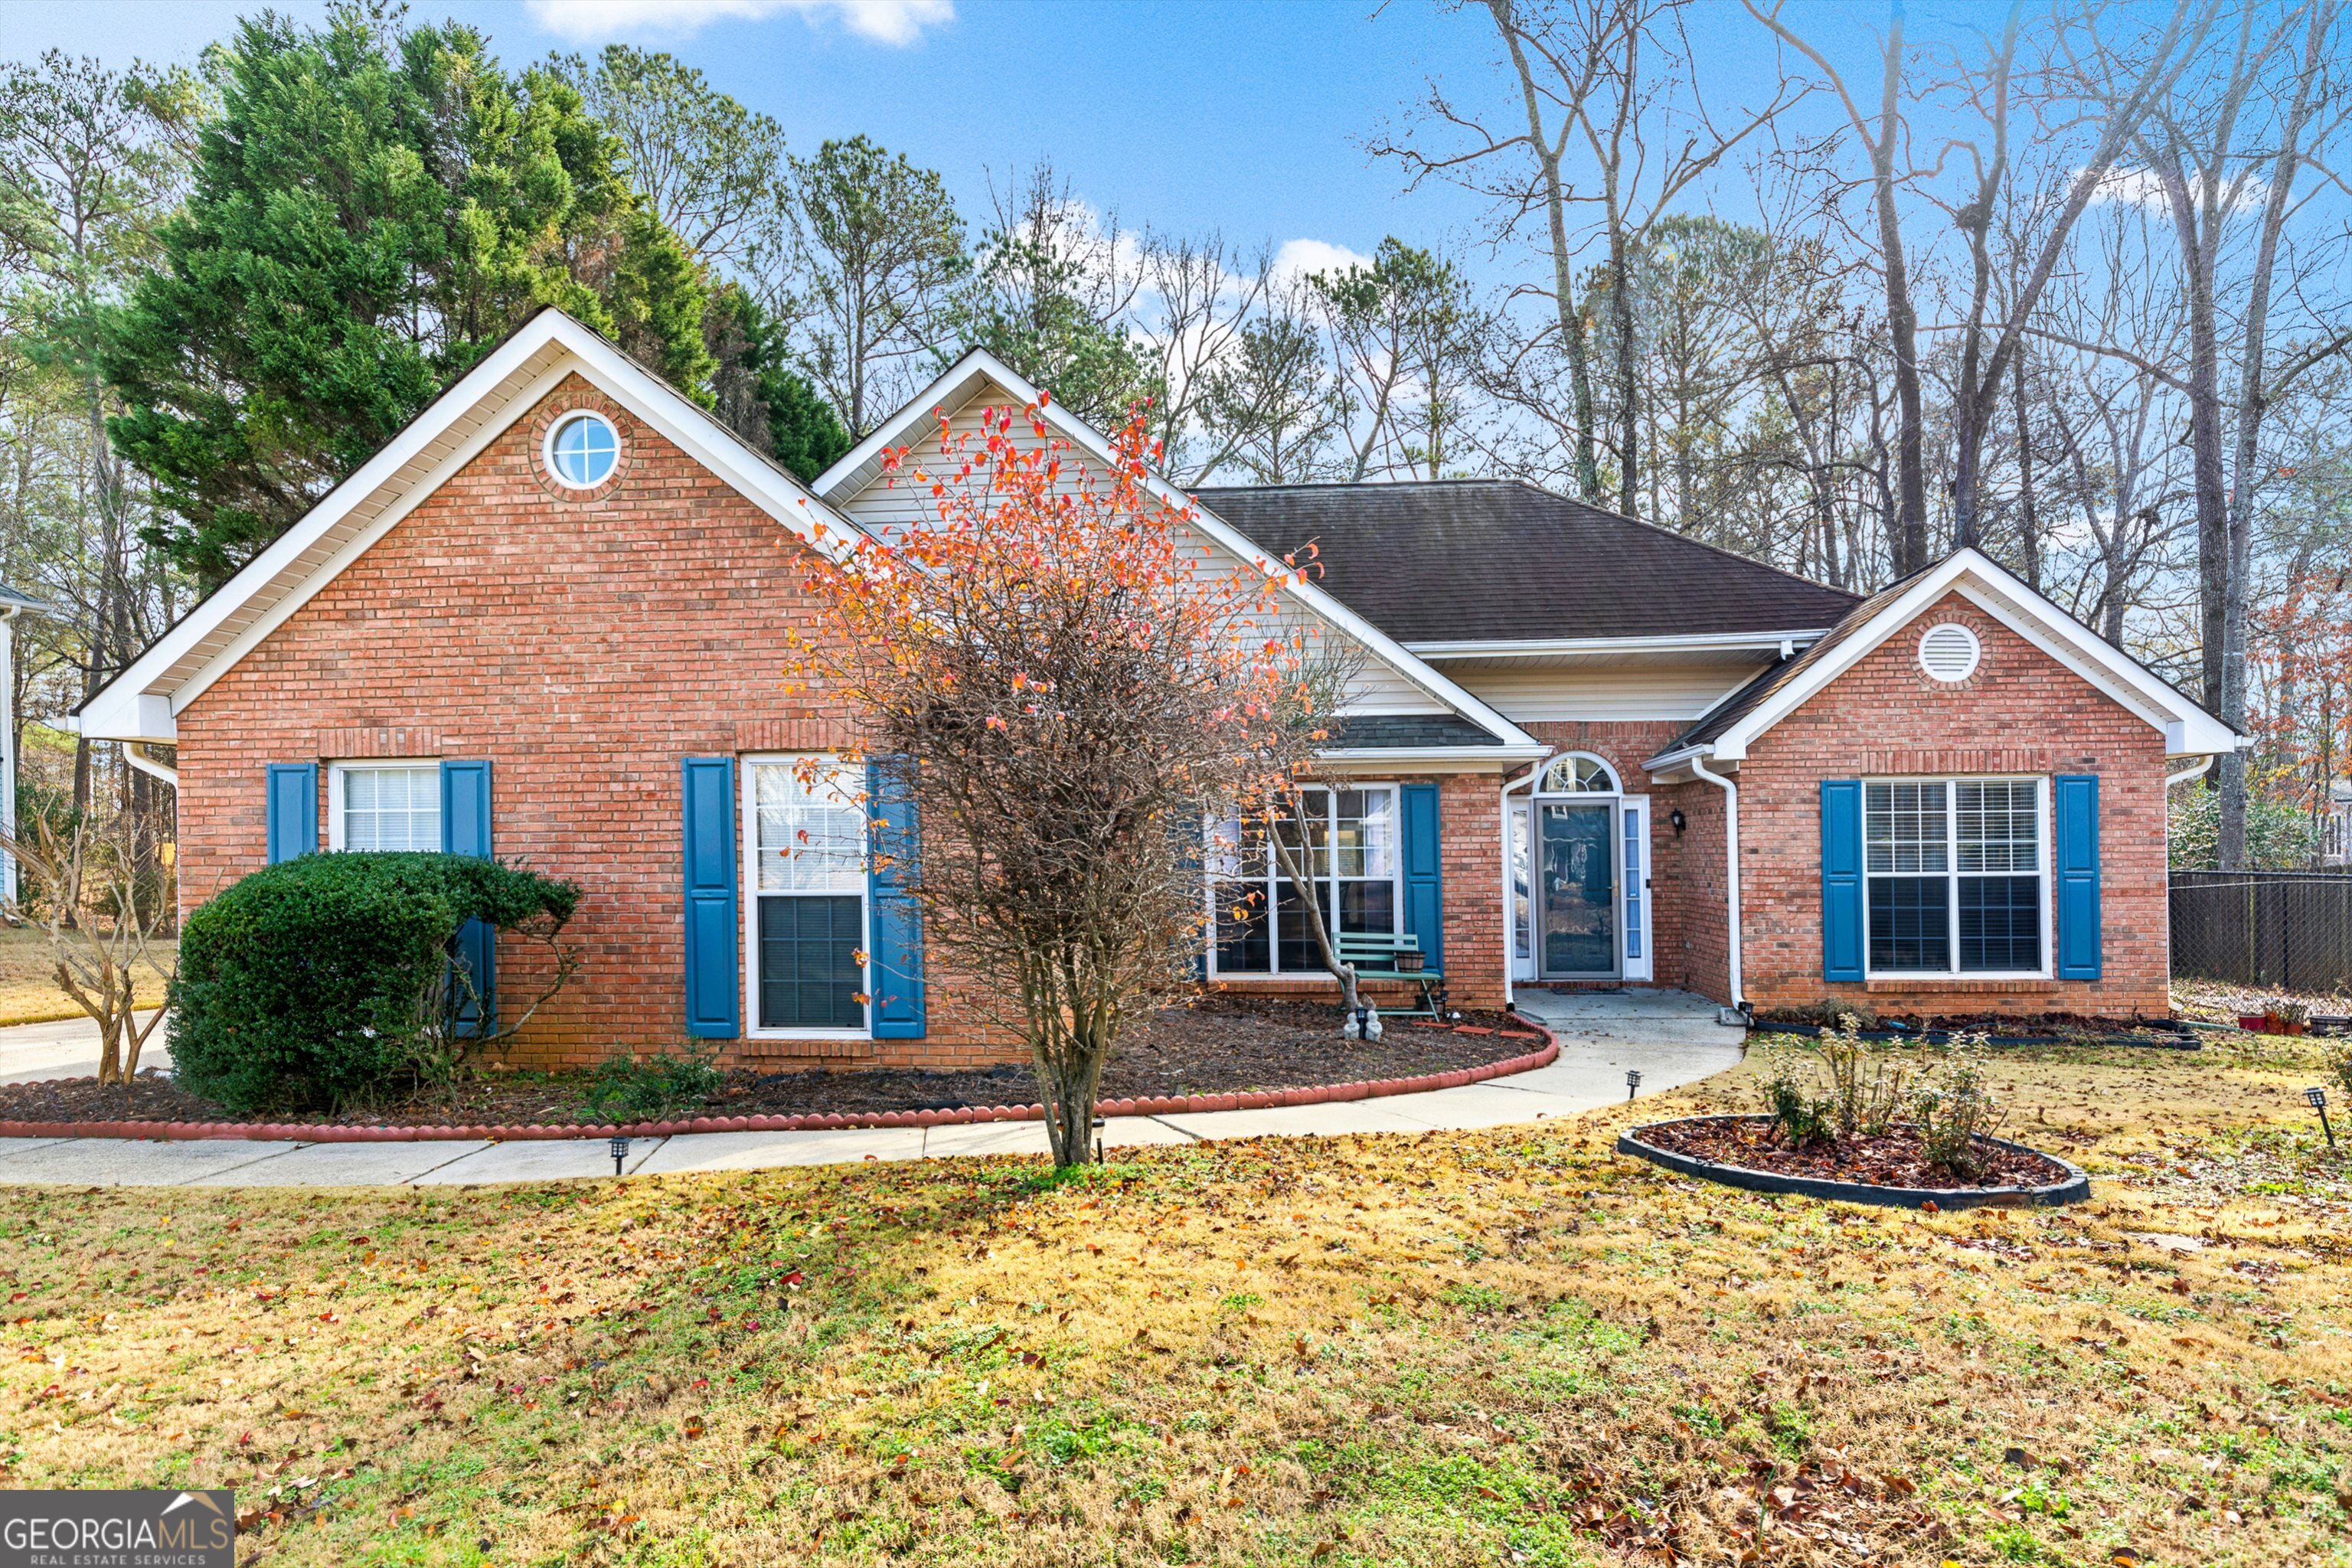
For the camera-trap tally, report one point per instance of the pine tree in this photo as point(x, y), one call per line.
point(371, 210)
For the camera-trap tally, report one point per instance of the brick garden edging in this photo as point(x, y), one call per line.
point(829, 1121)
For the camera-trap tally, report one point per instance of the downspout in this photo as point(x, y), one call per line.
point(1510, 912)
point(1731, 862)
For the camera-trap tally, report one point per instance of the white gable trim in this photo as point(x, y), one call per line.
point(978, 367)
point(143, 702)
point(2189, 730)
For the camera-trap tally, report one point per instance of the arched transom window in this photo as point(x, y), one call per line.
point(1577, 773)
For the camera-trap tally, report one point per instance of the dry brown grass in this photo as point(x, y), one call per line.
point(1509, 1346)
point(28, 983)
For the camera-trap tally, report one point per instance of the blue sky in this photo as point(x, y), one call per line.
point(1244, 116)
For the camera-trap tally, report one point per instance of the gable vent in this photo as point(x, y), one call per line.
point(1948, 652)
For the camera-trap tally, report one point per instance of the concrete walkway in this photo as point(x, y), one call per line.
point(1636, 1015)
point(1591, 1072)
point(66, 1048)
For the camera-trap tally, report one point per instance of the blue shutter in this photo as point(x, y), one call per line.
point(293, 795)
point(465, 830)
point(2076, 861)
point(1841, 891)
point(894, 958)
point(1424, 904)
point(713, 1000)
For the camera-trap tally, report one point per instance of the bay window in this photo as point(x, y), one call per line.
point(1958, 879)
point(1349, 841)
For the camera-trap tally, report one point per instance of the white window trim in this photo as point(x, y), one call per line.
point(747, 835)
point(335, 774)
point(1274, 879)
point(2041, 848)
point(564, 422)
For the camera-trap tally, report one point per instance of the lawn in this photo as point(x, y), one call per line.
point(1502, 1347)
point(28, 983)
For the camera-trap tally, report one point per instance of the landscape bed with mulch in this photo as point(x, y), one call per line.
point(2001, 1028)
point(1895, 1160)
point(1225, 1046)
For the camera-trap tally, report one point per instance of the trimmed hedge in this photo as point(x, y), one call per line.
point(305, 986)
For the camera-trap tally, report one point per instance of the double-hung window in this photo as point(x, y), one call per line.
point(806, 838)
point(1958, 879)
point(383, 805)
point(1349, 837)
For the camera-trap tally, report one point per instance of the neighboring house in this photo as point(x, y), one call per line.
point(2336, 825)
point(544, 622)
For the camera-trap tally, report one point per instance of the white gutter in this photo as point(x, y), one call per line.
point(1510, 915)
point(135, 754)
point(1731, 860)
point(2185, 775)
point(1543, 648)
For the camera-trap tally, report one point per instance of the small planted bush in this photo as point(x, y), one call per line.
point(326, 979)
point(630, 1088)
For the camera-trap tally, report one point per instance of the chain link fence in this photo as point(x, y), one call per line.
point(2279, 930)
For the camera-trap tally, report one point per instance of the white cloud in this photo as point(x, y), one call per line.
point(893, 21)
point(1298, 258)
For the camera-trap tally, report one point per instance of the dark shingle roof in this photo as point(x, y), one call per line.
point(1457, 560)
point(1744, 700)
point(1363, 730)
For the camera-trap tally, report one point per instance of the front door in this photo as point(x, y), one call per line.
point(1576, 933)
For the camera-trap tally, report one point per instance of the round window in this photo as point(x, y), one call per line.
point(582, 450)
point(1949, 652)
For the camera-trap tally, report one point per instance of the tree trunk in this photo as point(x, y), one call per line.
point(1296, 866)
point(1565, 299)
point(1909, 542)
point(2029, 531)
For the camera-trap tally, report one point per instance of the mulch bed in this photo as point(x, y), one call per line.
point(2053, 1023)
point(1897, 1159)
point(1223, 1046)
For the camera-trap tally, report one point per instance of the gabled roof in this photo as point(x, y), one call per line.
point(970, 375)
point(1726, 731)
point(144, 702)
point(1457, 561)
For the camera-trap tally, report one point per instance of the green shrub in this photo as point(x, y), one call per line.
point(1787, 1089)
point(633, 1089)
point(323, 980)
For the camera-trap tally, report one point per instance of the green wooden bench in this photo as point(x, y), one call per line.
point(1374, 957)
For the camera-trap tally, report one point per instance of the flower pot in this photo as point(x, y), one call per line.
point(2254, 1023)
point(2294, 1029)
point(1409, 963)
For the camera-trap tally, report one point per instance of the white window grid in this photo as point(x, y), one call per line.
point(393, 804)
point(1952, 827)
point(1364, 848)
point(803, 831)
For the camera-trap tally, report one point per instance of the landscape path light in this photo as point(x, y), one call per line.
point(620, 1153)
point(1632, 1084)
point(2318, 1098)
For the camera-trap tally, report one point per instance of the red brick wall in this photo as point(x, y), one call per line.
point(2020, 712)
point(583, 646)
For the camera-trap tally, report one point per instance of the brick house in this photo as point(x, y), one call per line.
point(542, 624)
